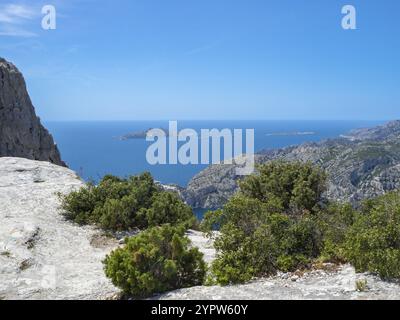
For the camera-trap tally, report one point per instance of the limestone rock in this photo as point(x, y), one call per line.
point(42, 256)
point(337, 284)
point(21, 132)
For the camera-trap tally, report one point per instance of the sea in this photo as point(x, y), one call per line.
point(94, 148)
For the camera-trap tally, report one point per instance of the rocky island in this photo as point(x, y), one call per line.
point(140, 134)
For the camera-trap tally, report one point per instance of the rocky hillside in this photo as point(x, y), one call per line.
point(42, 256)
point(21, 133)
point(363, 164)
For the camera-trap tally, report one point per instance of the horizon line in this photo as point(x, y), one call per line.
point(258, 120)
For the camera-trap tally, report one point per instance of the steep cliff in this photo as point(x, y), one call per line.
point(21, 133)
point(364, 164)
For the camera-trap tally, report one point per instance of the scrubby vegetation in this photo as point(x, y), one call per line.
point(291, 187)
point(157, 260)
point(334, 222)
point(279, 221)
point(270, 224)
point(373, 241)
point(117, 204)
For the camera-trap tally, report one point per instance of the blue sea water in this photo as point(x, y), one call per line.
point(92, 149)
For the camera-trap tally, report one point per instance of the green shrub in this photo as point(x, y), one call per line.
point(334, 222)
point(117, 214)
point(157, 260)
point(242, 256)
point(294, 186)
point(167, 207)
point(117, 204)
point(78, 205)
point(300, 243)
point(271, 224)
point(279, 243)
point(212, 221)
point(373, 241)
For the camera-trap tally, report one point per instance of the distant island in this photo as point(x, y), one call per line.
point(295, 133)
point(144, 133)
point(140, 134)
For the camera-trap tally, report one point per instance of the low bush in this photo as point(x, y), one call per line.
point(167, 207)
point(279, 243)
point(117, 204)
point(271, 224)
point(334, 222)
point(295, 187)
point(373, 241)
point(157, 260)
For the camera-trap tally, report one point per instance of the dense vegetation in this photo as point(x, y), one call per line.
point(157, 260)
point(117, 204)
point(280, 221)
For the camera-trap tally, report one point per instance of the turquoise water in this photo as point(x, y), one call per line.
point(92, 150)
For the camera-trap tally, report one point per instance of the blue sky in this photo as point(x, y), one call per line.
point(206, 59)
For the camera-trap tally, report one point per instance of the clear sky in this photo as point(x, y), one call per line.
point(206, 59)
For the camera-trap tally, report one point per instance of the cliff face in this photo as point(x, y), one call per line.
point(363, 165)
point(21, 133)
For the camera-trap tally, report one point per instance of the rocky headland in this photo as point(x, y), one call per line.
point(363, 164)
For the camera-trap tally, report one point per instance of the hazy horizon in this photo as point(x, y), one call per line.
point(218, 120)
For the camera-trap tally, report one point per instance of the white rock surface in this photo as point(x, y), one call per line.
point(315, 285)
point(42, 256)
point(205, 245)
point(332, 283)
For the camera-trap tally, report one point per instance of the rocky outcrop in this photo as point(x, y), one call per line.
point(21, 133)
point(388, 131)
point(364, 164)
point(42, 256)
